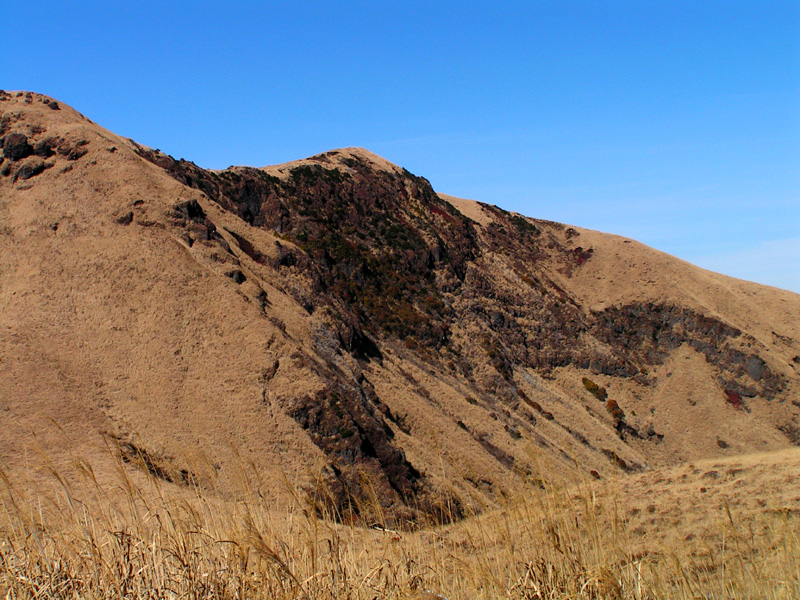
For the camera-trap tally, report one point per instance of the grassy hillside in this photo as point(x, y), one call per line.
point(325, 380)
point(713, 529)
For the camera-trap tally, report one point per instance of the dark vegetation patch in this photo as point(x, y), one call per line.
point(734, 398)
point(579, 436)
point(374, 242)
point(624, 429)
point(503, 457)
point(46, 147)
point(126, 219)
point(621, 463)
point(32, 169)
point(16, 146)
point(616, 412)
point(197, 226)
point(648, 333)
point(498, 357)
point(537, 407)
point(791, 431)
point(581, 256)
point(349, 423)
point(72, 150)
point(392, 262)
point(387, 255)
point(598, 392)
point(248, 248)
point(237, 276)
point(153, 464)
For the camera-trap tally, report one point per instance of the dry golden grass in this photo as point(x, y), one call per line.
point(75, 537)
point(133, 331)
point(130, 330)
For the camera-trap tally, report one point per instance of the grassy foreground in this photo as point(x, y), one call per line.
point(724, 529)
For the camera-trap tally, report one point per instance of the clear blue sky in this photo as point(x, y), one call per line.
point(674, 123)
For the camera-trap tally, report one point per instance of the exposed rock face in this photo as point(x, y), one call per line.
point(16, 146)
point(393, 259)
point(424, 351)
point(379, 246)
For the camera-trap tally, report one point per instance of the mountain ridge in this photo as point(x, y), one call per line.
point(337, 313)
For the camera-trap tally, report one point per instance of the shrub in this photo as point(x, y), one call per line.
point(597, 391)
point(32, 170)
point(46, 147)
point(615, 411)
point(733, 398)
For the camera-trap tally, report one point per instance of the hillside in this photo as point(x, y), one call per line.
point(336, 322)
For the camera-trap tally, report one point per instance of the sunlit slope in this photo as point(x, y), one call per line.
point(335, 321)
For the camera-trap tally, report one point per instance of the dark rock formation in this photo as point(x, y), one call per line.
point(16, 146)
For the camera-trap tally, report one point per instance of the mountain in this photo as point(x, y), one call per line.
point(335, 322)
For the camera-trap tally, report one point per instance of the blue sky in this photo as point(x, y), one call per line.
point(674, 123)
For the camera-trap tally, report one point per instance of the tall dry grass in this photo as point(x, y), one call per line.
point(74, 536)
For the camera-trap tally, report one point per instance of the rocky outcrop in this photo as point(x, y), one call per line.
point(393, 262)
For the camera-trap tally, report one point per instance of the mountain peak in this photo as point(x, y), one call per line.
point(343, 158)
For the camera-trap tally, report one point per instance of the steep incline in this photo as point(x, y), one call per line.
point(335, 321)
